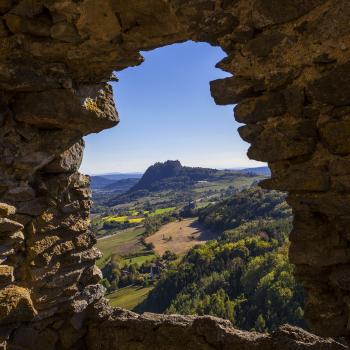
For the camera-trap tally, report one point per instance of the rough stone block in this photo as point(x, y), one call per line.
point(340, 183)
point(332, 87)
point(316, 254)
point(69, 161)
point(33, 208)
point(264, 44)
point(6, 210)
point(336, 134)
point(3, 31)
point(99, 21)
point(6, 5)
point(329, 203)
point(28, 337)
point(284, 139)
point(250, 132)
point(21, 193)
point(294, 97)
point(267, 12)
point(6, 275)
point(18, 24)
point(243, 33)
point(65, 32)
point(234, 89)
point(16, 305)
point(7, 225)
point(260, 108)
point(340, 277)
point(91, 109)
point(311, 175)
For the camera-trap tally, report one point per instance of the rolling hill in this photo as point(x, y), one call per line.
point(171, 175)
point(264, 170)
point(114, 182)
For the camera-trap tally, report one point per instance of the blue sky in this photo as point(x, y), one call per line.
point(166, 112)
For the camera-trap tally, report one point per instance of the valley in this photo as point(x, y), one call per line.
point(198, 241)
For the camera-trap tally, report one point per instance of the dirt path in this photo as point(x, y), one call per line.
point(179, 236)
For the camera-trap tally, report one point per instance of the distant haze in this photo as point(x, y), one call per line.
point(167, 112)
point(138, 174)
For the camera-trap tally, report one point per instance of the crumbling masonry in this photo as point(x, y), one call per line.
point(290, 61)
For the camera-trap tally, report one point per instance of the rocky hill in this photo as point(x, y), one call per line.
point(172, 174)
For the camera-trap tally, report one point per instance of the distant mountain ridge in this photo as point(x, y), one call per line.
point(107, 181)
point(170, 174)
point(121, 176)
point(122, 185)
point(98, 182)
point(263, 170)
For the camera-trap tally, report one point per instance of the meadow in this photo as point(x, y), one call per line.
point(137, 217)
point(123, 243)
point(179, 236)
point(129, 297)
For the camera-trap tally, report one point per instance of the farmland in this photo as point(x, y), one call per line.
point(128, 249)
point(128, 297)
point(179, 237)
point(123, 243)
point(111, 224)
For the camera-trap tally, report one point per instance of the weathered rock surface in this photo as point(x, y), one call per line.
point(290, 64)
point(122, 331)
point(15, 305)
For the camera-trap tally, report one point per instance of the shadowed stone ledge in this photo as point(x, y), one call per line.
point(118, 329)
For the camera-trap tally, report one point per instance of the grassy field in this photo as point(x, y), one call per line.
point(239, 183)
point(179, 236)
point(116, 218)
point(162, 211)
point(132, 219)
point(139, 259)
point(128, 297)
point(122, 243)
point(202, 204)
point(136, 220)
point(122, 219)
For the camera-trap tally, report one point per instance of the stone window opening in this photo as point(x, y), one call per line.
point(290, 62)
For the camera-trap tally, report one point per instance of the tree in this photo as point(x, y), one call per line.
point(169, 256)
point(260, 324)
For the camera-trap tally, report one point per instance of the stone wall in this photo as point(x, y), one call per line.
point(290, 62)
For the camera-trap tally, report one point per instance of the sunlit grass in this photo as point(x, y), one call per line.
point(139, 259)
point(129, 297)
point(122, 243)
point(136, 220)
point(116, 218)
point(162, 211)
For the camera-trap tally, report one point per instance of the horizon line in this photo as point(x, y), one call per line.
point(138, 172)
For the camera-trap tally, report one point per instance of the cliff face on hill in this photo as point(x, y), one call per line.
point(291, 66)
point(161, 175)
point(158, 172)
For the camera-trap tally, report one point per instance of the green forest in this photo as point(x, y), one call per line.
point(244, 275)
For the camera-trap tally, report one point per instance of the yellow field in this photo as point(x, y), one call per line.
point(136, 220)
point(179, 236)
point(116, 218)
